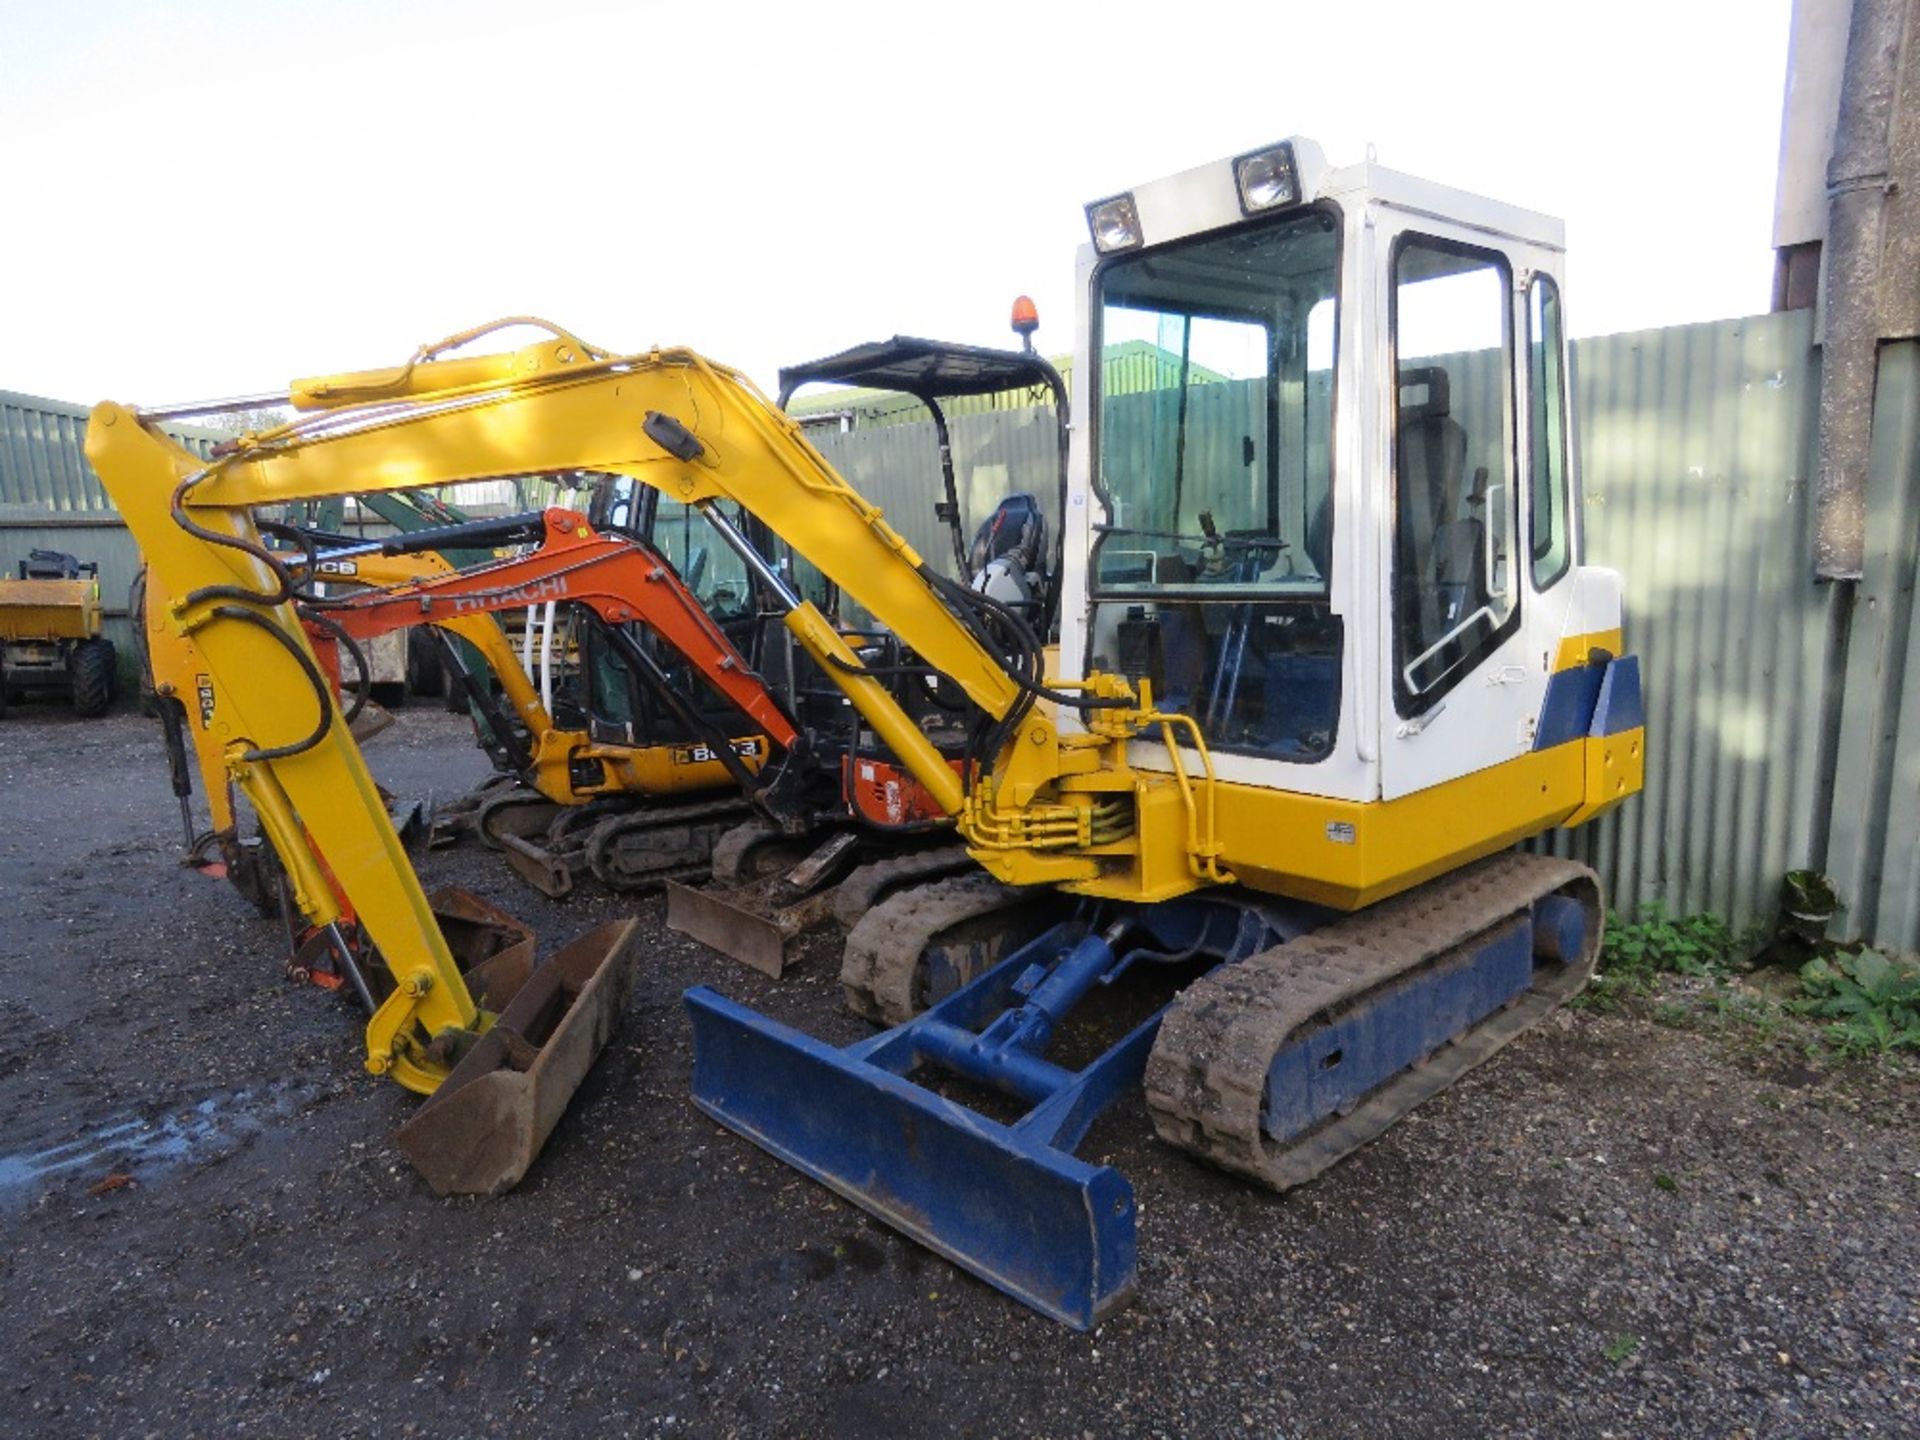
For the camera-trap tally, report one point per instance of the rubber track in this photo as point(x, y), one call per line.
point(734, 849)
point(1207, 1074)
point(683, 865)
point(860, 891)
point(496, 808)
point(886, 945)
point(458, 818)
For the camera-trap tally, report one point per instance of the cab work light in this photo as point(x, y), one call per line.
point(1266, 179)
point(1115, 224)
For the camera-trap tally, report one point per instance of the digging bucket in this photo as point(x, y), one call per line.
point(493, 950)
point(480, 1131)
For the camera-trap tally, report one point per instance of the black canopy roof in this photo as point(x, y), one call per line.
point(924, 369)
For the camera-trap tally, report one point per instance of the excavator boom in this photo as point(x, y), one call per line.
point(700, 433)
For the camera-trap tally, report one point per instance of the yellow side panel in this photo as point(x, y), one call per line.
point(680, 769)
point(1348, 854)
point(1575, 649)
point(48, 610)
point(1616, 767)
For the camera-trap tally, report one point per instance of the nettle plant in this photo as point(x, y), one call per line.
point(1871, 1001)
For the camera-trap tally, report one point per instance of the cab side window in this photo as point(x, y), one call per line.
point(1454, 593)
point(706, 563)
point(1549, 542)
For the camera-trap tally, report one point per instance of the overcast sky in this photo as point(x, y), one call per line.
point(206, 198)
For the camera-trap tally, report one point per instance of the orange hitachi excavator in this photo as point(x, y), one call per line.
point(647, 627)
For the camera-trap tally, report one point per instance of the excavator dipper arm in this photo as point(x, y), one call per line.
point(265, 700)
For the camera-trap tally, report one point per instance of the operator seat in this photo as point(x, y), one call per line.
point(1183, 634)
point(1008, 557)
point(1320, 537)
point(1431, 462)
point(1460, 555)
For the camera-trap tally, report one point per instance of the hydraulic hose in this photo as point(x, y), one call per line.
point(321, 690)
point(364, 688)
point(283, 582)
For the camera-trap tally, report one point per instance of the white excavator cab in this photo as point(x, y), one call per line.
point(1325, 499)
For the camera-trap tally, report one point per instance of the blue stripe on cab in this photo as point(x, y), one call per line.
point(1590, 700)
point(1567, 710)
point(1619, 706)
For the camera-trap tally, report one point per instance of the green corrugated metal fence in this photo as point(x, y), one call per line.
point(1696, 452)
point(50, 499)
point(1873, 847)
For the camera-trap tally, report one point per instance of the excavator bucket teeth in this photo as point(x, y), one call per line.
point(1047, 1228)
point(478, 1133)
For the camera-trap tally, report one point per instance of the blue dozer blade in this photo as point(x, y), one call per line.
point(997, 1200)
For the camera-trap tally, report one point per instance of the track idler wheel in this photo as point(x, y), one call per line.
point(522, 812)
point(922, 943)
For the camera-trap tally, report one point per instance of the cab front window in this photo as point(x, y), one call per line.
point(1215, 462)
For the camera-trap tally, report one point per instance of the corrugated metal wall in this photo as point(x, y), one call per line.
point(50, 499)
point(1873, 853)
point(898, 468)
point(1696, 449)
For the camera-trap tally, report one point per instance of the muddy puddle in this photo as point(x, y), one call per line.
point(140, 1149)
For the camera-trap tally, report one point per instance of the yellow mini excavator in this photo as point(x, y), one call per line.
point(1328, 650)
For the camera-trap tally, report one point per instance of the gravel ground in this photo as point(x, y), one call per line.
point(1614, 1229)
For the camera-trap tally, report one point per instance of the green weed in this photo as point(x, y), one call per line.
point(1635, 953)
point(1621, 1347)
point(1658, 943)
point(1762, 1015)
point(1870, 1001)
